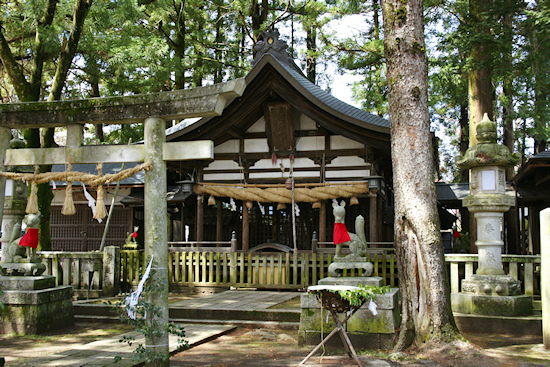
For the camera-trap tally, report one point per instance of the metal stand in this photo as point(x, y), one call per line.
point(343, 335)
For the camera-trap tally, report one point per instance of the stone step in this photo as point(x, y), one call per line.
point(241, 323)
point(280, 316)
point(521, 325)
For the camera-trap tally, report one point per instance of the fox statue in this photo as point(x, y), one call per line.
point(357, 242)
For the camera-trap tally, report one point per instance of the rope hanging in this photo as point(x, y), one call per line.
point(86, 178)
point(68, 205)
point(281, 194)
point(32, 203)
point(70, 176)
point(100, 210)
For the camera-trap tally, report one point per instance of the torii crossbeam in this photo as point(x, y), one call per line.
point(152, 110)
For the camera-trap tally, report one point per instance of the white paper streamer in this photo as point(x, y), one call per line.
point(232, 205)
point(372, 308)
point(53, 185)
point(297, 210)
point(91, 201)
point(262, 209)
point(132, 300)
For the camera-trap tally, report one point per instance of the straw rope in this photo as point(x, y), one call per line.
point(281, 194)
point(71, 176)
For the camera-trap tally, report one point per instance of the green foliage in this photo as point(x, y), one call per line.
point(2, 306)
point(144, 312)
point(364, 293)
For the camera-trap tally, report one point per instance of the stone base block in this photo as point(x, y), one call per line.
point(27, 283)
point(36, 311)
point(495, 285)
point(365, 330)
point(337, 267)
point(22, 269)
point(476, 304)
point(360, 341)
point(353, 281)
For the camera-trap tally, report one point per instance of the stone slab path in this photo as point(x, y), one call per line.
point(103, 352)
point(238, 300)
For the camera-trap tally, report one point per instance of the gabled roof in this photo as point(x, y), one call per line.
point(272, 80)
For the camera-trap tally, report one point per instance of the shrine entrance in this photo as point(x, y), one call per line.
point(153, 110)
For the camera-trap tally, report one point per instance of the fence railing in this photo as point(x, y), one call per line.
point(94, 274)
point(257, 270)
point(525, 268)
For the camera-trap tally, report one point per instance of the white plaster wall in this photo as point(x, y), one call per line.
point(310, 143)
point(298, 163)
point(281, 175)
point(256, 146)
point(341, 142)
point(225, 176)
point(347, 161)
point(348, 173)
point(307, 123)
point(222, 164)
point(257, 127)
point(230, 146)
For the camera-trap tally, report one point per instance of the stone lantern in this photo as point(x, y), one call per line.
point(489, 291)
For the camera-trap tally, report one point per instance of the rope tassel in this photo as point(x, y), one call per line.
point(100, 210)
point(32, 203)
point(68, 204)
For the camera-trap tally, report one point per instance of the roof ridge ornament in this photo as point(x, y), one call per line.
point(269, 43)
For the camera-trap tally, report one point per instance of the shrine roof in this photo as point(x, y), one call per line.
point(271, 78)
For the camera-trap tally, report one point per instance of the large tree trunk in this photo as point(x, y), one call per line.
point(425, 298)
point(480, 87)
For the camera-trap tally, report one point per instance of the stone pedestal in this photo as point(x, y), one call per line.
point(350, 262)
point(34, 305)
point(364, 329)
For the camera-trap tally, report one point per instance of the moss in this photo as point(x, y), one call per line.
point(418, 48)
point(401, 15)
point(416, 92)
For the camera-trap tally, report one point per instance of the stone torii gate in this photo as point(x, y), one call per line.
point(151, 109)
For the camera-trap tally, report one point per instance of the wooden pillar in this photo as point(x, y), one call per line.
point(373, 217)
point(323, 222)
point(219, 214)
point(156, 244)
point(200, 218)
point(545, 274)
point(246, 227)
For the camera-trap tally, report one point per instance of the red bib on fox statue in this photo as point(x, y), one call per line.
point(30, 239)
point(340, 234)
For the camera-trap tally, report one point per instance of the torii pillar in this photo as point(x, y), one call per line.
point(198, 102)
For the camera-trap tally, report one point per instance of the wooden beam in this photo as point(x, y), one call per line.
point(197, 102)
point(202, 149)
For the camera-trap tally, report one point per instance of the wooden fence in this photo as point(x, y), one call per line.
point(248, 270)
point(85, 271)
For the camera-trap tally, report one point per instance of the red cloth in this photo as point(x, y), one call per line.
point(340, 234)
point(456, 234)
point(134, 235)
point(30, 239)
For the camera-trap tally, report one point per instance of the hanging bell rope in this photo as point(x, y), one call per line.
point(100, 210)
point(68, 205)
point(32, 203)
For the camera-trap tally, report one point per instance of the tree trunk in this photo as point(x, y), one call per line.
point(427, 318)
point(480, 87)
